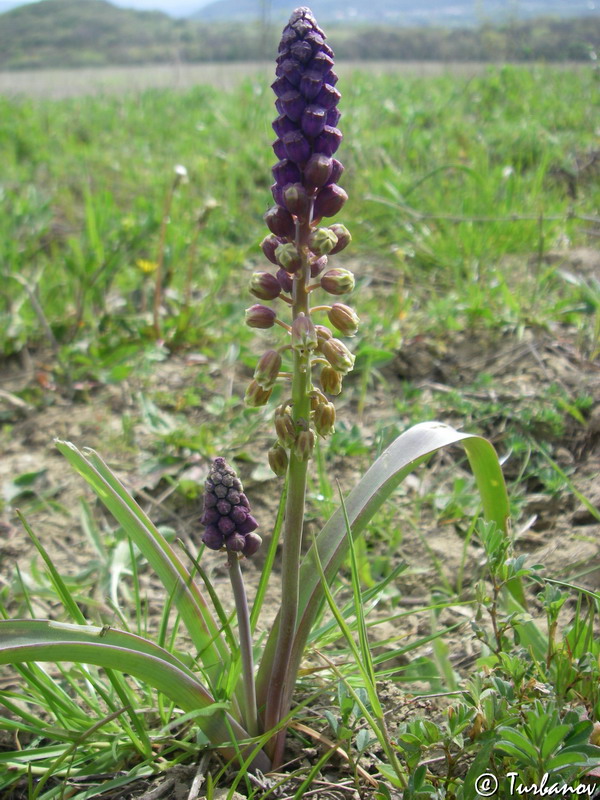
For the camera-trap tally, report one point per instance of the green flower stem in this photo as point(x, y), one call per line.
point(294, 516)
point(245, 634)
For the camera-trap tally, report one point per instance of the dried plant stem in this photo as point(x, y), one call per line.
point(245, 635)
point(294, 518)
point(160, 257)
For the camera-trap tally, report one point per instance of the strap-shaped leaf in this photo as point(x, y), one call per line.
point(410, 449)
point(42, 640)
point(176, 579)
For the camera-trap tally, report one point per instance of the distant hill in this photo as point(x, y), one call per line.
point(437, 13)
point(84, 33)
point(64, 33)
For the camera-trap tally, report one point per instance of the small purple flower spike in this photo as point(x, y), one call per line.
point(227, 516)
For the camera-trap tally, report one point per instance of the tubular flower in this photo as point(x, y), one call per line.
point(227, 516)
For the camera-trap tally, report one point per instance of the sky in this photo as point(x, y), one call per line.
point(176, 8)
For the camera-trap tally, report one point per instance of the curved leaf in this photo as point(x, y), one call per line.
point(42, 640)
point(176, 579)
point(410, 449)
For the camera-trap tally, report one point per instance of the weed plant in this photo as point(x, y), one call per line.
point(447, 182)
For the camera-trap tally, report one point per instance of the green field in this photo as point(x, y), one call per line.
point(84, 181)
point(474, 206)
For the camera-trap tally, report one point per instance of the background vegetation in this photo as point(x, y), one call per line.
point(466, 197)
point(68, 33)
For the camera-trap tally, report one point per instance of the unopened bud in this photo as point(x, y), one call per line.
point(285, 280)
point(264, 286)
point(305, 444)
point(344, 319)
point(304, 336)
point(296, 199)
point(251, 544)
point(278, 459)
point(267, 369)
point(329, 201)
point(256, 396)
point(289, 257)
point(322, 332)
point(268, 245)
point(324, 419)
point(337, 281)
point(331, 380)
point(343, 237)
point(317, 171)
point(280, 222)
point(260, 316)
point(338, 355)
point(317, 266)
point(213, 538)
point(285, 428)
point(322, 241)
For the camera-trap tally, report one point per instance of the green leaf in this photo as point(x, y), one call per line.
point(160, 555)
point(42, 640)
point(552, 739)
point(514, 739)
point(407, 452)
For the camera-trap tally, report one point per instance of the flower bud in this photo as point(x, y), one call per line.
point(285, 280)
point(248, 525)
point(264, 286)
point(213, 538)
point(322, 332)
point(324, 419)
point(317, 266)
point(285, 428)
point(304, 336)
point(267, 369)
point(296, 199)
point(344, 319)
point(343, 237)
point(314, 119)
point(322, 241)
point(256, 396)
point(269, 244)
point(280, 222)
point(260, 316)
point(235, 542)
point(278, 459)
point(285, 171)
point(305, 444)
point(317, 171)
point(289, 257)
point(328, 141)
point(297, 146)
point(337, 169)
point(329, 201)
point(338, 355)
point(252, 544)
point(331, 380)
point(337, 281)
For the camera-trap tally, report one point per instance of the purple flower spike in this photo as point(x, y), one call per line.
point(307, 136)
point(228, 521)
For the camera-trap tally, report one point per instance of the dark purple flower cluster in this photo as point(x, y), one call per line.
point(307, 134)
point(227, 516)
